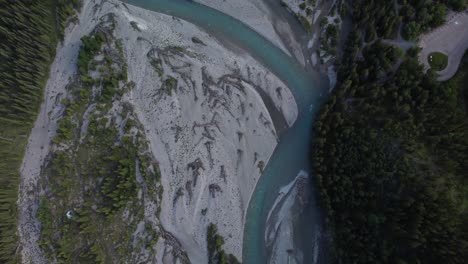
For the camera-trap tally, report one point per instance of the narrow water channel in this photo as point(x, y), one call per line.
point(291, 154)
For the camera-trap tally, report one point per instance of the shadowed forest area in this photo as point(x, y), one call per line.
point(391, 151)
point(30, 31)
point(410, 18)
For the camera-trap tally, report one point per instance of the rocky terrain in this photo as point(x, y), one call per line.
point(205, 118)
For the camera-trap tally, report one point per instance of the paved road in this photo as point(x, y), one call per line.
point(450, 39)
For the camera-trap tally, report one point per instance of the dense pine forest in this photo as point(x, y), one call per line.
point(391, 148)
point(30, 31)
point(383, 18)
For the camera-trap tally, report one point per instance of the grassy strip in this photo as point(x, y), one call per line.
point(438, 61)
point(28, 32)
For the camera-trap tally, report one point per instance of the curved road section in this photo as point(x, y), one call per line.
point(450, 39)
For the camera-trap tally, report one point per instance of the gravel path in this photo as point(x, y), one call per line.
point(450, 39)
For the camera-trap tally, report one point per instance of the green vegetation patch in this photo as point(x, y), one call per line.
point(169, 85)
point(437, 60)
point(215, 242)
point(305, 23)
point(157, 65)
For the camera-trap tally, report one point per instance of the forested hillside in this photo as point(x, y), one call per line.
point(29, 31)
point(383, 18)
point(391, 152)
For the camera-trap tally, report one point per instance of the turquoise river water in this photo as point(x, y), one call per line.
point(291, 154)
